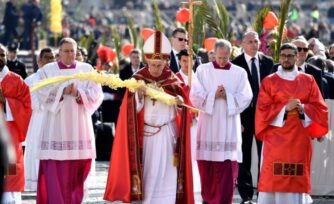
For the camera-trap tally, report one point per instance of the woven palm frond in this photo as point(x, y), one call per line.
point(259, 18)
point(284, 9)
point(158, 23)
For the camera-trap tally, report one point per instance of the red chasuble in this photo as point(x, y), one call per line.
point(18, 97)
point(125, 182)
point(287, 150)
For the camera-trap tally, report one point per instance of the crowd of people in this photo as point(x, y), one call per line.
point(163, 152)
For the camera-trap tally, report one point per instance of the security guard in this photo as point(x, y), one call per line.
point(13, 63)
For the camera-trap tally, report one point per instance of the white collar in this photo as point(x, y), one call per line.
point(303, 66)
point(248, 58)
point(287, 75)
point(175, 52)
point(4, 72)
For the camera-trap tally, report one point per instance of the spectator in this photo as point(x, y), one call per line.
point(32, 16)
point(10, 22)
point(13, 63)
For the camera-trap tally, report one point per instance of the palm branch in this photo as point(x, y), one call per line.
point(285, 4)
point(223, 17)
point(158, 23)
point(259, 18)
point(199, 21)
point(86, 41)
point(133, 31)
point(210, 17)
point(116, 39)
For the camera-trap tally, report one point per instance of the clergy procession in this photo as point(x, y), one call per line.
point(209, 105)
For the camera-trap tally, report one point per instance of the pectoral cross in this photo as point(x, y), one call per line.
point(191, 5)
point(155, 85)
point(153, 101)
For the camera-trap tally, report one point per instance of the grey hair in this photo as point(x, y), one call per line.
point(300, 39)
point(69, 41)
point(221, 43)
point(252, 33)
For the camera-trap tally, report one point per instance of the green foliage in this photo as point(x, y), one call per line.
point(116, 40)
point(199, 21)
point(158, 24)
point(86, 41)
point(133, 31)
point(284, 9)
point(213, 17)
point(222, 17)
point(259, 18)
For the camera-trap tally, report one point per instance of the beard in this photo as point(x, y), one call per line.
point(2, 64)
point(288, 67)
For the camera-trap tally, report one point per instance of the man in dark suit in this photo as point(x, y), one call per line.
point(179, 42)
point(135, 65)
point(329, 75)
point(302, 46)
point(13, 63)
point(257, 66)
point(130, 69)
point(320, 63)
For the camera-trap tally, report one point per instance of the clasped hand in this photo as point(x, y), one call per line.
point(71, 90)
point(220, 92)
point(294, 104)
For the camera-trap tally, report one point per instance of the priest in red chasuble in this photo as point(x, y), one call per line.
point(151, 159)
point(16, 103)
point(290, 113)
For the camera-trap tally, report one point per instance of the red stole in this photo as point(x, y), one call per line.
point(287, 150)
point(185, 87)
point(18, 97)
point(125, 175)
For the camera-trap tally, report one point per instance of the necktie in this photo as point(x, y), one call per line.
point(255, 80)
point(177, 61)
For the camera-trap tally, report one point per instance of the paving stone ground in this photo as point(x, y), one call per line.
point(95, 193)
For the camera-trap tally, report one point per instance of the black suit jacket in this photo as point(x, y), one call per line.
point(312, 70)
point(17, 67)
point(265, 65)
point(126, 73)
point(330, 82)
point(173, 64)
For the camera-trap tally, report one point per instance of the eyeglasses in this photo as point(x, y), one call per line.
point(287, 56)
point(182, 39)
point(305, 49)
point(48, 57)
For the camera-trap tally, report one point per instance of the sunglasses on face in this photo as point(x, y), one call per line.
point(182, 39)
point(305, 49)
